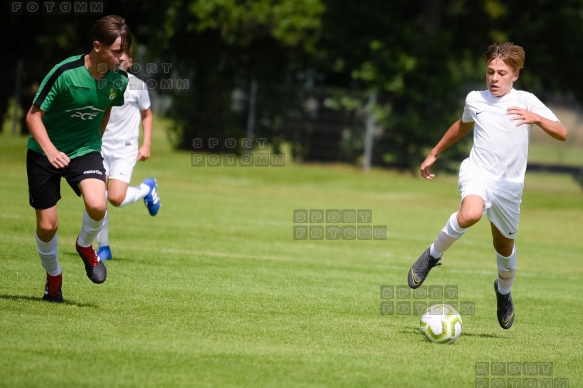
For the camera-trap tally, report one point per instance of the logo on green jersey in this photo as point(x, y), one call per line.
point(86, 113)
point(83, 88)
point(112, 94)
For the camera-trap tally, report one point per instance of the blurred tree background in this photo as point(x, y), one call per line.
point(309, 73)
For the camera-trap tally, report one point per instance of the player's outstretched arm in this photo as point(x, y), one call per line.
point(144, 151)
point(457, 131)
point(34, 121)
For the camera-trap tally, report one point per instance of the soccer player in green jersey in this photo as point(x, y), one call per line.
point(66, 121)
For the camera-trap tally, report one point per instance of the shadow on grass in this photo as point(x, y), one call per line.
point(68, 302)
point(484, 335)
point(416, 331)
point(121, 257)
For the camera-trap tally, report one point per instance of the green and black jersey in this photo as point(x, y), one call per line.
point(74, 104)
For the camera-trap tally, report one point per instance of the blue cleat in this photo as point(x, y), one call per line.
point(152, 200)
point(104, 253)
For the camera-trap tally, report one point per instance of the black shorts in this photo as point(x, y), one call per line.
point(44, 180)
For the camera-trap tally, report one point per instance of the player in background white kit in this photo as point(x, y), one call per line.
point(491, 179)
point(120, 152)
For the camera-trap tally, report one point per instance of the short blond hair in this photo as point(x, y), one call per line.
point(511, 54)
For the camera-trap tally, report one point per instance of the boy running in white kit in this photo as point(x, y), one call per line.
point(491, 179)
point(120, 153)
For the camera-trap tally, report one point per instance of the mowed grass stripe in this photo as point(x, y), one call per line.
point(214, 291)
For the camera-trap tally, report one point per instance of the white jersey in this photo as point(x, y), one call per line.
point(123, 129)
point(500, 148)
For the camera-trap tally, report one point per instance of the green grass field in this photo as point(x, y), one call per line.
point(215, 291)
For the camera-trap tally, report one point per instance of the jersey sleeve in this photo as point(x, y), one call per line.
point(535, 105)
point(143, 97)
point(467, 114)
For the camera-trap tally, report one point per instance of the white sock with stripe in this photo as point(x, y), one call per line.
point(506, 272)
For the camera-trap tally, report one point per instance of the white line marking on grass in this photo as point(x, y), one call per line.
point(343, 262)
point(12, 216)
point(223, 254)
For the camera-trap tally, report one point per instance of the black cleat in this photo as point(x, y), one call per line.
point(421, 268)
point(505, 309)
point(94, 267)
point(53, 289)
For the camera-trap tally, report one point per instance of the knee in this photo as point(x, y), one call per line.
point(469, 217)
point(116, 200)
point(96, 211)
point(46, 229)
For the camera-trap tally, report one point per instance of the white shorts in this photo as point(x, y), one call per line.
point(120, 166)
point(501, 199)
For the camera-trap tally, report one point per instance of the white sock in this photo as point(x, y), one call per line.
point(103, 235)
point(450, 233)
point(135, 193)
point(48, 253)
point(89, 229)
point(506, 272)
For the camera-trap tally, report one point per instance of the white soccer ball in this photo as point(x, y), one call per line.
point(441, 323)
